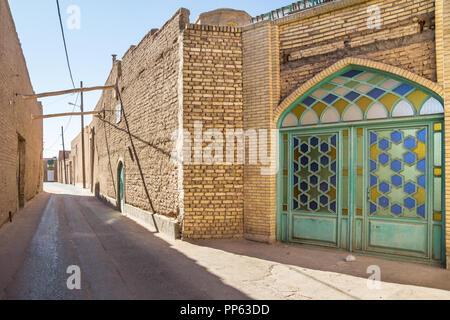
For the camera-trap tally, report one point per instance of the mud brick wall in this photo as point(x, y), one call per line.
point(315, 41)
point(16, 122)
point(148, 80)
point(212, 94)
point(77, 159)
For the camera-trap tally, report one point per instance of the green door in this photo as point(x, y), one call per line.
point(315, 175)
point(121, 187)
point(369, 188)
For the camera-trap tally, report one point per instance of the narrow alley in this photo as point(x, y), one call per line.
point(121, 260)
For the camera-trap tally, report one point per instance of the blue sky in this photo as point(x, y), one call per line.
point(107, 27)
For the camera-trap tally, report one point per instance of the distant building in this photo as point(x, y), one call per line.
point(21, 147)
point(224, 17)
point(64, 165)
point(50, 166)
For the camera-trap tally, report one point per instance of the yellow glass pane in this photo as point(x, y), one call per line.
point(437, 216)
point(364, 103)
point(340, 105)
point(285, 137)
point(345, 173)
point(438, 126)
point(389, 100)
point(438, 172)
point(351, 84)
point(374, 151)
point(345, 212)
point(319, 108)
point(420, 150)
point(376, 80)
point(359, 212)
point(374, 195)
point(328, 86)
point(420, 196)
point(298, 111)
point(417, 98)
point(345, 133)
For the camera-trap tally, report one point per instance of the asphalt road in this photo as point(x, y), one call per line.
point(118, 259)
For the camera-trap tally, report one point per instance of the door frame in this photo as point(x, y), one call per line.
point(283, 221)
point(120, 202)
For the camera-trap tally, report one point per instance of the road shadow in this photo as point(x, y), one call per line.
point(330, 260)
point(109, 243)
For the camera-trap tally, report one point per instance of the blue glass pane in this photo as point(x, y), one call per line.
point(397, 136)
point(421, 211)
point(333, 181)
point(304, 160)
point(409, 203)
point(422, 135)
point(324, 187)
point(384, 202)
point(396, 165)
point(410, 143)
point(295, 167)
point(383, 158)
point(384, 187)
point(295, 180)
point(384, 144)
point(352, 96)
point(313, 205)
point(352, 73)
point(373, 165)
point(373, 138)
point(397, 180)
point(422, 165)
point(410, 188)
point(373, 208)
point(304, 148)
point(324, 147)
point(403, 89)
point(376, 93)
point(373, 180)
point(309, 101)
point(304, 198)
point(324, 200)
point(314, 180)
point(295, 143)
point(333, 206)
point(422, 181)
point(314, 141)
point(396, 209)
point(330, 98)
point(314, 167)
point(324, 160)
point(333, 140)
point(333, 167)
point(295, 205)
point(409, 158)
point(303, 186)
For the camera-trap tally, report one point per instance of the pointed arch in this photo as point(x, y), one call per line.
point(358, 95)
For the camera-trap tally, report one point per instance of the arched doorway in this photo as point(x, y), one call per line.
point(121, 187)
point(362, 166)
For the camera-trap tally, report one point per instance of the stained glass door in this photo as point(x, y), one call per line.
point(314, 189)
point(397, 193)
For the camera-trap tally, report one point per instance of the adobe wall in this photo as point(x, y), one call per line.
point(16, 122)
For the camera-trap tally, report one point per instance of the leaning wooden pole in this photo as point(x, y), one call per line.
point(58, 93)
point(83, 162)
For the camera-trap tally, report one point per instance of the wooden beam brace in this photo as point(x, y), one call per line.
point(66, 115)
point(58, 93)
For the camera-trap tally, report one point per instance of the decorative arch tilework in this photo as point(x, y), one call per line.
point(361, 94)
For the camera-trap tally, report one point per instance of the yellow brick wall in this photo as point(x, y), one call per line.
point(212, 94)
point(261, 96)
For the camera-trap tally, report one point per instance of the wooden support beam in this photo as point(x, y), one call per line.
point(66, 114)
point(58, 93)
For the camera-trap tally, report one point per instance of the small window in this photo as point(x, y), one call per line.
point(118, 113)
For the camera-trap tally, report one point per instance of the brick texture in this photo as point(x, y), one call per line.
point(16, 123)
